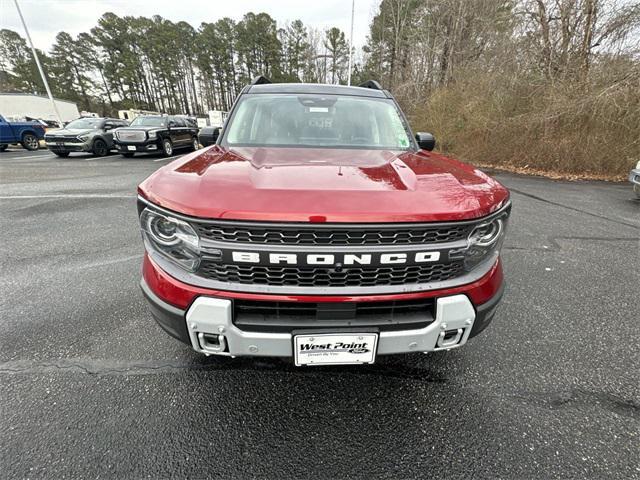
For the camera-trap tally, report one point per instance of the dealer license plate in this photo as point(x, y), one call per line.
point(131, 147)
point(335, 348)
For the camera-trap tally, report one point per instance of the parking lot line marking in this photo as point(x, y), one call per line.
point(67, 195)
point(31, 156)
point(28, 152)
point(99, 367)
point(167, 158)
point(104, 263)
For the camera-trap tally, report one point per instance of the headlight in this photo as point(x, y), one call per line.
point(152, 134)
point(83, 138)
point(484, 240)
point(173, 238)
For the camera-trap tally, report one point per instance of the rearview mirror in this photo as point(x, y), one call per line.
point(426, 141)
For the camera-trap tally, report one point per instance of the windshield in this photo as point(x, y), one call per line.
point(317, 120)
point(83, 123)
point(149, 122)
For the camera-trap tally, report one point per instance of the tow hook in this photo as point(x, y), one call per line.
point(212, 342)
point(449, 338)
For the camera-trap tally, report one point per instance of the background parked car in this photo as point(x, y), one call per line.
point(88, 134)
point(27, 134)
point(156, 133)
point(634, 177)
point(47, 124)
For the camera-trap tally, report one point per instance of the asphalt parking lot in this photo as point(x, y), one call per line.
point(91, 387)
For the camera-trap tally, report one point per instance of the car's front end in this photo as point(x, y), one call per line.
point(143, 135)
point(136, 140)
point(250, 288)
point(318, 229)
point(77, 136)
point(66, 141)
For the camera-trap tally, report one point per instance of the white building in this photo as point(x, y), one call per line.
point(36, 106)
point(129, 115)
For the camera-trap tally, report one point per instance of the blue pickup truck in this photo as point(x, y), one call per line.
point(27, 134)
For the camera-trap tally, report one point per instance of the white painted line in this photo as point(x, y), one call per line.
point(67, 195)
point(104, 263)
point(32, 156)
point(31, 152)
point(167, 158)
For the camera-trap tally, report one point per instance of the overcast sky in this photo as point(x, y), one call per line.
point(45, 18)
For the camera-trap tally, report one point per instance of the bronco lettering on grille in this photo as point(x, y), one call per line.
point(335, 258)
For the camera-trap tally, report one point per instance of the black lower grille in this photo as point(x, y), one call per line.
point(287, 316)
point(330, 277)
point(62, 139)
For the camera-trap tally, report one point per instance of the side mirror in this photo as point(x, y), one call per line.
point(216, 133)
point(171, 124)
point(108, 127)
point(426, 141)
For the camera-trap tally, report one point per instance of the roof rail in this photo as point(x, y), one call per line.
point(260, 80)
point(371, 84)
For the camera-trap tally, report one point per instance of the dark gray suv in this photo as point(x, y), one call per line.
point(89, 134)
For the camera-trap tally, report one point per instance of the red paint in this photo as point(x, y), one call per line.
point(181, 294)
point(323, 185)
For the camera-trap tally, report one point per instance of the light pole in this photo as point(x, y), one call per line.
point(353, 5)
point(35, 55)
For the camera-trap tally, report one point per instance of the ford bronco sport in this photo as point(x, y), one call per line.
point(319, 228)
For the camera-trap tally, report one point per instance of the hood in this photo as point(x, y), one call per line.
point(72, 132)
point(323, 185)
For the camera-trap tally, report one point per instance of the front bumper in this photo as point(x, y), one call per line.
point(64, 147)
point(456, 321)
point(634, 176)
point(130, 147)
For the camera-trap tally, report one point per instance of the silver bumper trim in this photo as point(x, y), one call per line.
point(213, 316)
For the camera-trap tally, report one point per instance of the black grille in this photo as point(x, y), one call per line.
point(287, 316)
point(329, 277)
point(66, 138)
point(334, 235)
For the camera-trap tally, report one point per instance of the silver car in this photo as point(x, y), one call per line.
point(92, 135)
point(634, 177)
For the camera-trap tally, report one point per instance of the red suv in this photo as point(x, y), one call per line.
point(319, 228)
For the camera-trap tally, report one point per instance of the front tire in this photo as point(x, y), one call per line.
point(195, 144)
point(3, 147)
point(167, 147)
point(62, 154)
point(100, 148)
point(636, 188)
point(30, 142)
